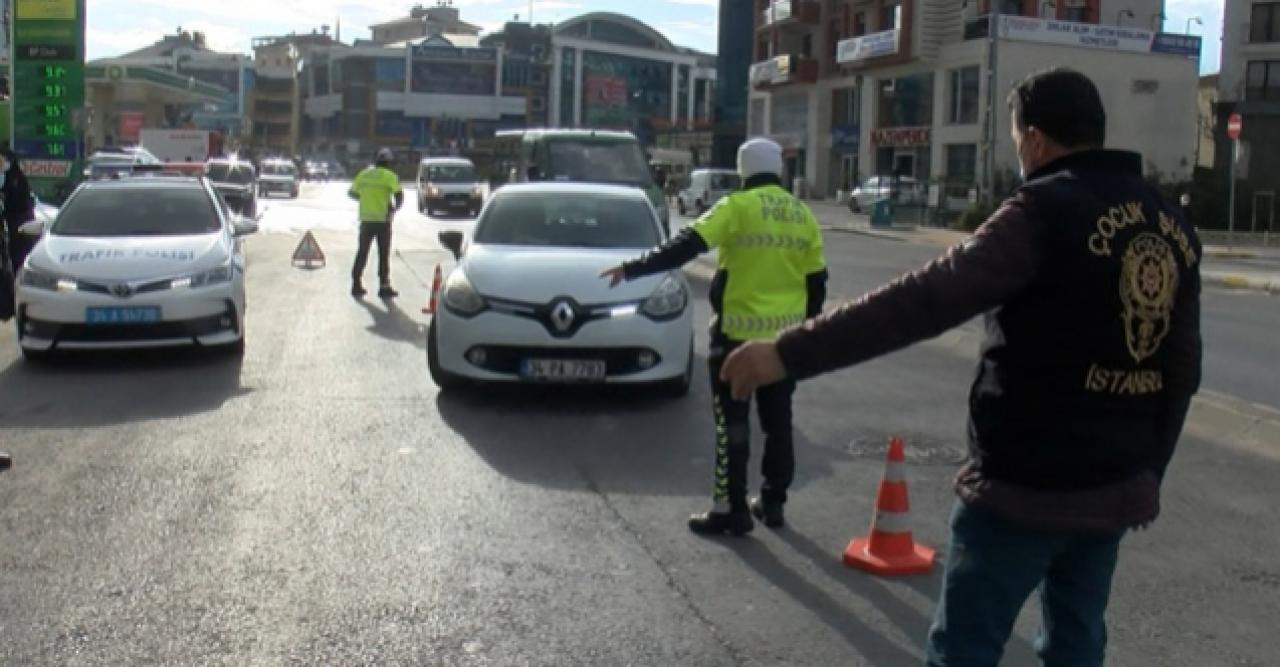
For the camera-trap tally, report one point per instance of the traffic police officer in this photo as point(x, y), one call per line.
point(771, 275)
point(374, 188)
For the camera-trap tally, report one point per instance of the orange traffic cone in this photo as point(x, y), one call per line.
point(890, 549)
point(433, 300)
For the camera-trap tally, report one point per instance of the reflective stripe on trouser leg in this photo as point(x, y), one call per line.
point(721, 493)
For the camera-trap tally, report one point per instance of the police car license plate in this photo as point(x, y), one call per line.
point(122, 315)
point(564, 370)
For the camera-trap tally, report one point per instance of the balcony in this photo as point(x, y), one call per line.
point(783, 70)
point(791, 12)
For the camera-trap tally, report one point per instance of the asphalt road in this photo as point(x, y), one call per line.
point(318, 502)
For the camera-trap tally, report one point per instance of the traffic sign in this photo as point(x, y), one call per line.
point(308, 251)
point(1234, 125)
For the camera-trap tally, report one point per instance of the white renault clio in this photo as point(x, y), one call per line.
point(525, 303)
point(137, 262)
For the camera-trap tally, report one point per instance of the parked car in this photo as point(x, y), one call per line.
point(448, 185)
point(278, 176)
point(905, 191)
point(525, 302)
point(706, 187)
point(317, 171)
point(237, 182)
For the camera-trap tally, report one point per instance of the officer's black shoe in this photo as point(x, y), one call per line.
point(721, 523)
point(357, 289)
point(387, 293)
point(768, 511)
point(5, 461)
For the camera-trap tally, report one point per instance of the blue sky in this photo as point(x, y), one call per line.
point(119, 26)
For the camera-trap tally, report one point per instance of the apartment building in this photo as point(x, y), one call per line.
point(916, 88)
point(1249, 84)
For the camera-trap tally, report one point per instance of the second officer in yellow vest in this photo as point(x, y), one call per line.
point(771, 276)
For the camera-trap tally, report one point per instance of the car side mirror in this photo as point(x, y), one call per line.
point(452, 241)
point(244, 227)
point(33, 228)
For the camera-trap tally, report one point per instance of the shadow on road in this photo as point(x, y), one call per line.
point(617, 439)
point(867, 640)
point(393, 323)
point(87, 389)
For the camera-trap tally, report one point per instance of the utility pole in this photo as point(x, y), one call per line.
point(993, 81)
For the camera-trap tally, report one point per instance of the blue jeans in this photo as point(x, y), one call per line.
point(992, 567)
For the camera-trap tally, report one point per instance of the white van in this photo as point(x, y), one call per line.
point(706, 187)
point(448, 185)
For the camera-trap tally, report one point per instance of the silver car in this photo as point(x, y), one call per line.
point(706, 187)
point(905, 190)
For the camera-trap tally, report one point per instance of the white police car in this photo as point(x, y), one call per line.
point(147, 261)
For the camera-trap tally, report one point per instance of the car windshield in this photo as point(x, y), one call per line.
point(222, 172)
point(279, 169)
point(451, 173)
point(158, 211)
point(598, 162)
point(724, 181)
point(557, 219)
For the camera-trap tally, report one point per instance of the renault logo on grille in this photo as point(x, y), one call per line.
point(122, 290)
point(562, 316)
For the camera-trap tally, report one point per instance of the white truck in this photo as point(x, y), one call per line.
point(178, 145)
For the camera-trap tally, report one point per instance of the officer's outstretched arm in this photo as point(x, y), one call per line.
point(671, 255)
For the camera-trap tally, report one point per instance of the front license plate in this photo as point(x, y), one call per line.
point(564, 370)
point(122, 315)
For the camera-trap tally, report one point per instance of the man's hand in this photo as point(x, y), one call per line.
point(754, 365)
point(615, 275)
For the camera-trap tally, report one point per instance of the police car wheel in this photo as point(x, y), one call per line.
point(445, 380)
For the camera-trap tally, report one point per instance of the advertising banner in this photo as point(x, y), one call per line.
point(1086, 35)
point(864, 47)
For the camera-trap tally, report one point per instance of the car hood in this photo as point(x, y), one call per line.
point(537, 275)
point(277, 179)
point(129, 258)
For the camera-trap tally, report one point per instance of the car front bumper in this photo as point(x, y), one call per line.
point(509, 340)
point(49, 320)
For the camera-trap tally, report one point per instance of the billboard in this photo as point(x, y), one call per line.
point(1112, 38)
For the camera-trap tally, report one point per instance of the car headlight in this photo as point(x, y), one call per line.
point(460, 297)
point(38, 279)
point(477, 192)
point(433, 191)
point(214, 276)
point(666, 302)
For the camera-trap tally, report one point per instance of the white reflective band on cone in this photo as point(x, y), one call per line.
point(894, 472)
point(892, 522)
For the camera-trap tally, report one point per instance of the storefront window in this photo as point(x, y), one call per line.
point(962, 164)
point(390, 74)
point(568, 62)
point(906, 102)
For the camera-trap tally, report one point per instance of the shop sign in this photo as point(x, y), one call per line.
point(431, 52)
point(1111, 38)
point(775, 70)
point(901, 137)
point(864, 47)
point(47, 168)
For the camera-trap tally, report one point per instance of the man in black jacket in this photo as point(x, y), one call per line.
point(1090, 284)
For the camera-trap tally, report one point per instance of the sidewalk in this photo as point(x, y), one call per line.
point(1235, 267)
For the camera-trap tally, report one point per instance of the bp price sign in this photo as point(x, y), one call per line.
point(48, 91)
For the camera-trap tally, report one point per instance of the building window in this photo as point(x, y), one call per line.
point(1013, 7)
point(891, 15)
point(859, 24)
point(1264, 25)
point(964, 96)
point(847, 107)
point(962, 166)
point(1262, 80)
point(806, 46)
point(906, 102)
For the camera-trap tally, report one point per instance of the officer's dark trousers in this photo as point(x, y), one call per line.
point(368, 232)
point(733, 434)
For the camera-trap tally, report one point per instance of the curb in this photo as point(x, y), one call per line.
point(1235, 281)
point(1230, 254)
point(887, 236)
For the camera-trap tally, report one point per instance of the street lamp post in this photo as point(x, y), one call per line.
point(1123, 13)
point(1196, 20)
